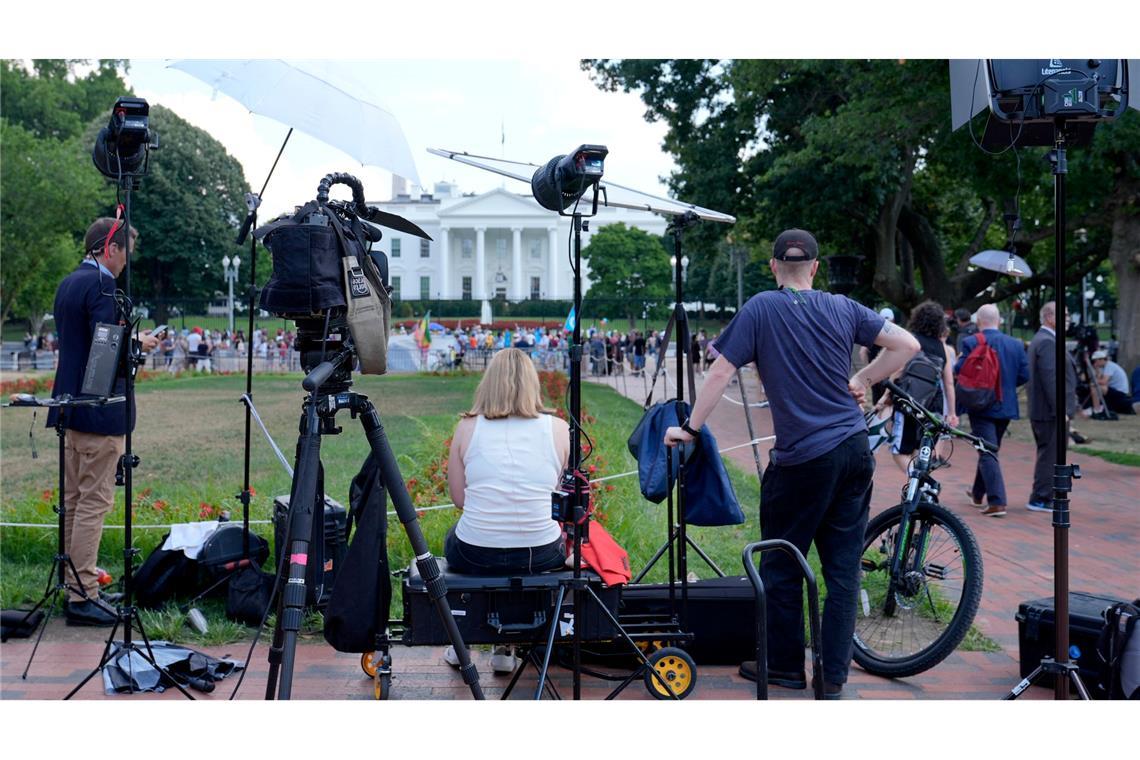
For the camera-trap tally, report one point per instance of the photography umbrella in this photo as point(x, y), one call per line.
point(1002, 261)
point(300, 99)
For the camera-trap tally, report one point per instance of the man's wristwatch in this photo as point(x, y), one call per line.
point(689, 430)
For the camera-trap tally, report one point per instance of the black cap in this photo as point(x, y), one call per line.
point(800, 241)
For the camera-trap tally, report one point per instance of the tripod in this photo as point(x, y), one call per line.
point(1060, 666)
point(318, 417)
point(678, 542)
point(127, 612)
point(57, 579)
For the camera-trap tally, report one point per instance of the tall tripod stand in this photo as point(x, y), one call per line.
point(318, 417)
point(57, 582)
point(1060, 666)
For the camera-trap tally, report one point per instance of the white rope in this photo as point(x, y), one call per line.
point(390, 513)
point(245, 399)
point(751, 404)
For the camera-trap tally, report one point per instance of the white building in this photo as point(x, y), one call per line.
point(496, 244)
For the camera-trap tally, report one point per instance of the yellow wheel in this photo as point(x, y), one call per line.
point(676, 668)
point(381, 685)
point(368, 664)
point(648, 647)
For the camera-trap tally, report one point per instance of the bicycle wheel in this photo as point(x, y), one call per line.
point(916, 625)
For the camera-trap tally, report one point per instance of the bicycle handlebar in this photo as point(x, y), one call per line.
point(928, 419)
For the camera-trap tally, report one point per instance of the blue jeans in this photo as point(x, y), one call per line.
point(469, 559)
point(988, 481)
point(825, 500)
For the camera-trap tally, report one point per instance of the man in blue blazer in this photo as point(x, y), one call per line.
point(988, 491)
point(95, 437)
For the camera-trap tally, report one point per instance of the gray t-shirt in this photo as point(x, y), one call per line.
point(801, 342)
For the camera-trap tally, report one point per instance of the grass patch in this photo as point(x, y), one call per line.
point(1116, 457)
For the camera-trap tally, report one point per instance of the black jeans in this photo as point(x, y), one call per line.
point(989, 483)
point(826, 499)
point(1045, 436)
point(469, 559)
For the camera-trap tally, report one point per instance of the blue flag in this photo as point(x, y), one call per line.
point(571, 319)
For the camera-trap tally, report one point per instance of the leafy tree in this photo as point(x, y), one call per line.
point(188, 211)
point(49, 191)
point(861, 153)
point(630, 268)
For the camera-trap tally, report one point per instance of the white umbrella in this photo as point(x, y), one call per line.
point(1002, 261)
point(310, 103)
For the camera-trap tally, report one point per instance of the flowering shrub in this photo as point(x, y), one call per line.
point(33, 385)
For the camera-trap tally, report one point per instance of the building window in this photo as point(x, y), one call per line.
point(396, 288)
point(466, 247)
point(425, 288)
point(536, 249)
point(500, 294)
point(466, 288)
point(425, 249)
point(501, 247)
point(395, 248)
point(536, 288)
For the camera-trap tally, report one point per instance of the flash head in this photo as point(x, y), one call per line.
point(564, 179)
point(122, 146)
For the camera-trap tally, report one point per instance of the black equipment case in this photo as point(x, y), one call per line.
point(721, 616)
point(331, 555)
point(222, 552)
point(502, 609)
point(1036, 634)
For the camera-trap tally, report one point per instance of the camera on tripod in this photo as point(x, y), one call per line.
point(122, 148)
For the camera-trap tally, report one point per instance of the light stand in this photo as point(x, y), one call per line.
point(126, 612)
point(1060, 666)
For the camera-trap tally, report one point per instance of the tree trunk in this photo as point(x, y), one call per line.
point(1124, 252)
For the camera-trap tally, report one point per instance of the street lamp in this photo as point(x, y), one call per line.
point(231, 274)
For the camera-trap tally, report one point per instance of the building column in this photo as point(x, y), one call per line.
point(516, 264)
point(445, 257)
point(552, 274)
point(480, 289)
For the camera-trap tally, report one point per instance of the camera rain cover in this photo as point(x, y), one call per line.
point(306, 254)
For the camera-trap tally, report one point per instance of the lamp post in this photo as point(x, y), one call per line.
point(1082, 236)
point(231, 274)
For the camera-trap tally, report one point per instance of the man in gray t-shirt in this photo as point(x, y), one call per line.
point(817, 486)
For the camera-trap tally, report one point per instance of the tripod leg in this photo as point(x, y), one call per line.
point(103, 660)
point(40, 635)
point(542, 672)
point(708, 560)
point(301, 505)
point(1075, 677)
point(406, 511)
point(275, 646)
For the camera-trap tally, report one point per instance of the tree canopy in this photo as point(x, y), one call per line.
point(630, 269)
point(861, 153)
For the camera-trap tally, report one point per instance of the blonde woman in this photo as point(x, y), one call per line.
point(507, 455)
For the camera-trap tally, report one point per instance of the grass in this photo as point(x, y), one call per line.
point(190, 440)
point(1116, 457)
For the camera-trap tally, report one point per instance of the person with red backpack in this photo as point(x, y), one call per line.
point(989, 371)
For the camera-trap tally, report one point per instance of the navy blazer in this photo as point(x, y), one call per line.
point(1014, 371)
point(85, 298)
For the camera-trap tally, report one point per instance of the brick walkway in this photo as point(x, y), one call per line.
point(1017, 551)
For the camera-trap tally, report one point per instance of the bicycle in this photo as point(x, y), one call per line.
point(922, 574)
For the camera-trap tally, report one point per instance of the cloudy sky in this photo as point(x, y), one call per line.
point(521, 110)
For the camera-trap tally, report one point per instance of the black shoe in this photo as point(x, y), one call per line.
point(110, 597)
point(787, 679)
point(89, 613)
point(830, 690)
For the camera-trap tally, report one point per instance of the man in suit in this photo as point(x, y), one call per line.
point(95, 436)
point(1043, 406)
point(988, 491)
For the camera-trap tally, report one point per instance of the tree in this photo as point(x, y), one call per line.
point(188, 211)
point(861, 152)
point(628, 267)
point(49, 191)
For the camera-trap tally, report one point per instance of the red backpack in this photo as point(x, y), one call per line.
point(979, 381)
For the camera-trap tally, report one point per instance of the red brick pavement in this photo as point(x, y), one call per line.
point(1017, 550)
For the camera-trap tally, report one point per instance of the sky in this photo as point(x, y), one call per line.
point(520, 110)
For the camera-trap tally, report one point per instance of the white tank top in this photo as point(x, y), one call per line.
point(511, 466)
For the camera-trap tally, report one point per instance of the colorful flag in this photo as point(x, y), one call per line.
point(571, 319)
point(422, 334)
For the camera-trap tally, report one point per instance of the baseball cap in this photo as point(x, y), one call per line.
point(886, 313)
point(795, 239)
point(1101, 354)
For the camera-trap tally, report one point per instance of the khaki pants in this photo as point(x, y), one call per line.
point(89, 494)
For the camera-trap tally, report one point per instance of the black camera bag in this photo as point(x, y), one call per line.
point(306, 275)
point(358, 608)
point(163, 575)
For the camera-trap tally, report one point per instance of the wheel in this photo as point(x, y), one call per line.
point(368, 664)
point(917, 623)
point(381, 685)
point(678, 670)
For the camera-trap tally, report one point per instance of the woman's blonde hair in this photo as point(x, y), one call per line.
point(509, 388)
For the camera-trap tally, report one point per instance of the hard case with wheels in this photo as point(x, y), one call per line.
point(1036, 634)
point(506, 609)
point(330, 556)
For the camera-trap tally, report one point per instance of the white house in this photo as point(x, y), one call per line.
point(495, 244)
